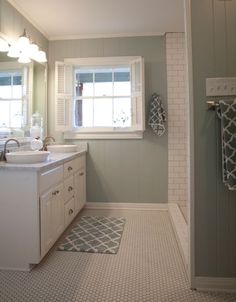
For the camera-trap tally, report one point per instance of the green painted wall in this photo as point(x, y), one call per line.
point(12, 24)
point(214, 55)
point(122, 170)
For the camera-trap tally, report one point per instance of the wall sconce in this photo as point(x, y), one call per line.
point(4, 46)
point(23, 49)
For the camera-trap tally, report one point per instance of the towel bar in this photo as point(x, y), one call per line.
point(212, 105)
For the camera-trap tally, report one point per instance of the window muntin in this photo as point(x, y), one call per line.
point(102, 97)
point(11, 98)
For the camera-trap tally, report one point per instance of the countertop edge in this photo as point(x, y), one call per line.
point(55, 159)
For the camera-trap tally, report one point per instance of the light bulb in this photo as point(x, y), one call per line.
point(23, 42)
point(4, 46)
point(40, 57)
point(24, 58)
point(33, 49)
point(13, 51)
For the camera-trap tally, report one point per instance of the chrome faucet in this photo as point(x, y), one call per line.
point(3, 157)
point(45, 141)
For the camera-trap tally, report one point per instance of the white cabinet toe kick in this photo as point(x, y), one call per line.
point(37, 203)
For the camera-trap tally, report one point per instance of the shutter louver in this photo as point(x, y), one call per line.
point(137, 94)
point(63, 104)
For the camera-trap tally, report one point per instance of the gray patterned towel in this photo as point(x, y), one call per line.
point(227, 114)
point(157, 115)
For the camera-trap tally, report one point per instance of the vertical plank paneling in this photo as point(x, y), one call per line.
point(205, 155)
point(213, 28)
point(220, 48)
point(231, 41)
point(231, 71)
point(122, 170)
point(219, 29)
point(13, 24)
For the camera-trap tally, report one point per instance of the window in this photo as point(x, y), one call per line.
point(13, 96)
point(100, 98)
point(11, 99)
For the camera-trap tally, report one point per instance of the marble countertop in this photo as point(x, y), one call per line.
point(54, 160)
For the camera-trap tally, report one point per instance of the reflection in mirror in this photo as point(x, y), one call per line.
point(23, 91)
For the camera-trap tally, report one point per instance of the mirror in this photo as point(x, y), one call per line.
point(23, 91)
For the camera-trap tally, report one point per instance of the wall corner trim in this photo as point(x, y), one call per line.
point(180, 228)
point(127, 206)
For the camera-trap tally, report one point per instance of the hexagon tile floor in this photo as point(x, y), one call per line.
point(147, 268)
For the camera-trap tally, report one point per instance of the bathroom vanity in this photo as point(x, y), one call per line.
point(37, 203)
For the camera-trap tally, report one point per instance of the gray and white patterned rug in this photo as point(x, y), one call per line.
point(94, 234)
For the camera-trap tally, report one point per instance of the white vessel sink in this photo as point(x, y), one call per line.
point(27, 157)
point(62, 148)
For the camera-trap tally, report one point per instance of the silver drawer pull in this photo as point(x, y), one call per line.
point(70, 188)
point(81, 174)
point(55, 192)
point(69, 168)
point(70, 211)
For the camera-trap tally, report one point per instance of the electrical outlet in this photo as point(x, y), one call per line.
point(220, 86)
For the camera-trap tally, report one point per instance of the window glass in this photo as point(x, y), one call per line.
point(122, 86)
point(84, 83)
point(102, 97)
point(17, 87)
point(5, 86)
point(102, 112)
point(122, 112)
point(103, 83)
point(11, 103)
point(4, 113)
point(16, 113)
point(84, 113)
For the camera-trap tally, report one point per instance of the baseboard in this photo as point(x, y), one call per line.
point(181, 233)
point(20, 269)
point(127, 206)
point(215, 284)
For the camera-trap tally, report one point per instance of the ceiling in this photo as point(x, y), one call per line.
point(68, 19)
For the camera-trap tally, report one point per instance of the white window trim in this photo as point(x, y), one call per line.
point(104, 133)
point(134, 132)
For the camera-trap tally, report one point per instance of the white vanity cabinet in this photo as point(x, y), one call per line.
point(74, 187)
point(51, 207)
point(37, 203)
point(80, 186)
point(69, 191)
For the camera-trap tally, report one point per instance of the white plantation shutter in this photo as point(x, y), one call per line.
point(63, 93)
point(137, 94)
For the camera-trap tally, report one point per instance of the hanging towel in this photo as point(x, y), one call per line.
point(227, 114)
point(157, 115)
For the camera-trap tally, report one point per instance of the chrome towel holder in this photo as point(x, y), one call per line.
point(212, 105)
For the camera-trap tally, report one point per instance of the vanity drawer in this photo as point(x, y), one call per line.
point(49, 178)
point(69, 168)
point(69, 211)
point(68, 188)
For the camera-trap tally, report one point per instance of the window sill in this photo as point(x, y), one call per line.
point(103, 135)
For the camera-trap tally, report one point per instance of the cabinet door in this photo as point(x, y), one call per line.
point(46, 222)
point(57, 211)
point(80, 189)
point(82, 177)
point(52, 217)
